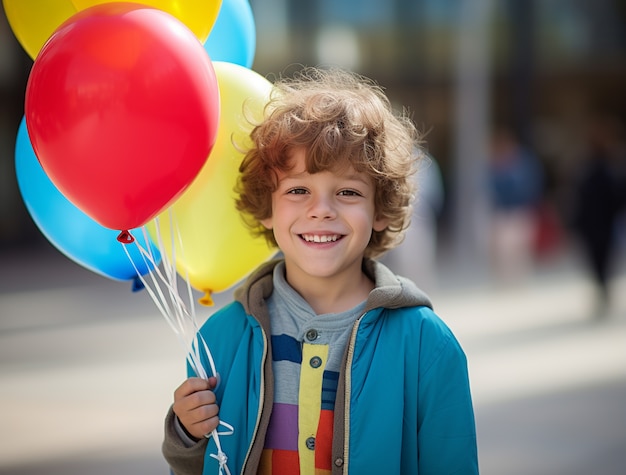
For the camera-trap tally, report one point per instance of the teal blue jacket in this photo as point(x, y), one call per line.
point(403, 402)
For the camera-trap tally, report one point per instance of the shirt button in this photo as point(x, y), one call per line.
point(311, 335)
point(310, 443)
point(338, 462)
point(315, 362)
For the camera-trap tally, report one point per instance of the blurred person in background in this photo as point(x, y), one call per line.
point(416, 256)
point(598, 200)
point(515, 190)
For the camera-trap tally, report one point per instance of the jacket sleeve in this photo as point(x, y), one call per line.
point(447, 432)
point(183, 460)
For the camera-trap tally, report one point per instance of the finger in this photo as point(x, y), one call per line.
point(192, 402)
point(189, 386)
point(203, 413)
point(200, 421)
point(203, 428)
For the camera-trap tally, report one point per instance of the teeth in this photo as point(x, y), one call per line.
point(318, 238)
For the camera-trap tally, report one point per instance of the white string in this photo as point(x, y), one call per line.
point(161, 285)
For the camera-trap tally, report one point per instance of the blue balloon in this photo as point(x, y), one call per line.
point(233, 37)
point(70, 230)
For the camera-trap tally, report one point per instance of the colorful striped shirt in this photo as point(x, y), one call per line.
point(307, 350)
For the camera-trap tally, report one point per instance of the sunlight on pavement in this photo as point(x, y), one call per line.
point(536, 338)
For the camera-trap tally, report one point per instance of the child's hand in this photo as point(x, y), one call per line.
point(195, 406)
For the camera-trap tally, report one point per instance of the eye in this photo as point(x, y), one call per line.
point(297, 191)
point(349, 193)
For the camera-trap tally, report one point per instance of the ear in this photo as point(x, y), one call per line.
point(267, 222)
point(380, 223)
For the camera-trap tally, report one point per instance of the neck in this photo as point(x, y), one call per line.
point(335, 294)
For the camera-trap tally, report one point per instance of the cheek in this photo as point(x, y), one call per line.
point(365, 222)
point(268, 222)
point(369, 217)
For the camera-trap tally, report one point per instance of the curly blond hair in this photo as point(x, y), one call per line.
point(339, 118)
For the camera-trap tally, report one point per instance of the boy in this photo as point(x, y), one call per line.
point(329, 363)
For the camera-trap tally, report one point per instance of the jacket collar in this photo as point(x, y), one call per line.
point(391, 291)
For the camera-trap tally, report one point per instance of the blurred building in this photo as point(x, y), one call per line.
point(540, 67)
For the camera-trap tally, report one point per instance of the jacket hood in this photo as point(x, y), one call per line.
point(390, 291)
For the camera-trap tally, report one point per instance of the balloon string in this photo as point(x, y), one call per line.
point(177, 310)
point(161, 285)
point(221, 457)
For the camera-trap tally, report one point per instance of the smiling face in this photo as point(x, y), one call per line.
point(322, 222)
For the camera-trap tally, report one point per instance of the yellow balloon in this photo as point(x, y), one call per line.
point(213, 248)
point(198, 15)
point(34, 21)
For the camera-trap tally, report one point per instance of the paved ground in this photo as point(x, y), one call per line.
point(87, 369)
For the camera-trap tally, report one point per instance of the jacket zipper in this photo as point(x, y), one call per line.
point(348, 391)
point(261, 402)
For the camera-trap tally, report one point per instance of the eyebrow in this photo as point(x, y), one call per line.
point(349, 177)
point(358, 177)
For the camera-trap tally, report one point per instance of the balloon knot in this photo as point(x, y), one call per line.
point(206, 299)
point(138, 284)
point(125, 237)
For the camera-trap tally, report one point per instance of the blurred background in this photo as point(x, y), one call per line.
point(519, 235)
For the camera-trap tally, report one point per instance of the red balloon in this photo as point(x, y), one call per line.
point(122, 108)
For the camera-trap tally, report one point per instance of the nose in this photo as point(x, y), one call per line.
point(322, 207)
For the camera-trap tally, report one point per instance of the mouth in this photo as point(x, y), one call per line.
point(321, 238)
